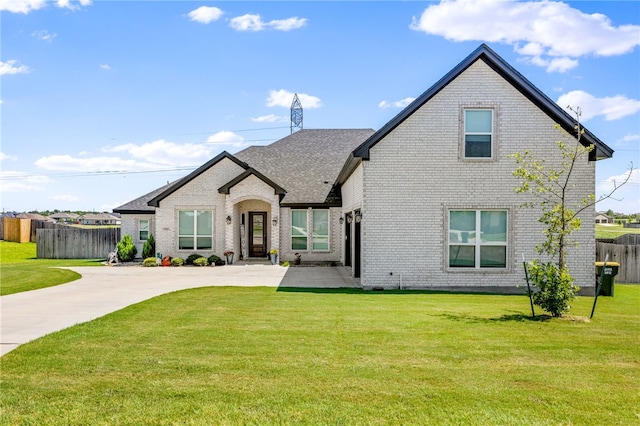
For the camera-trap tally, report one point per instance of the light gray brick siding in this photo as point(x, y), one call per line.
point(416, 175)
point(130, 225)
point(201, 193)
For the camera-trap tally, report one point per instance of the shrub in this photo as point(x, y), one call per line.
point(149, 248)
point(126, 249)
point(555, 286)
point(285, 263)
point(150, 261)
point(201, 261)
point(273, 251)
point(176, 261)
point(215, 260)
point(192, 257)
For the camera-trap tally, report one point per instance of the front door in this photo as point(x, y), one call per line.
point(257, 234)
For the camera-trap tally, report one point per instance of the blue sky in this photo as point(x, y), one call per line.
point(104, 101)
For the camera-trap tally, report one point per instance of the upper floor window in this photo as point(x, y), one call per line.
point(143, 229)
point(478, 239)
point(478, 133)
point(195, 229)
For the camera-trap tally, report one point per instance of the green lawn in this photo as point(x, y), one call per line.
point(614, 231)
point(21, 271)
point(262, 356)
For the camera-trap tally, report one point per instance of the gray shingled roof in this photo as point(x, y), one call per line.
point(306, 163)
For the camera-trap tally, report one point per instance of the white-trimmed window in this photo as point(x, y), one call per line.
point(478, 239)
point(478, 133)
point(321, 230)
point(143, 229)
point(299, 230)
point(195, 229)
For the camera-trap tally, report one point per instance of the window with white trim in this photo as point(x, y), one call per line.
point(299, 230)
point(143, 229)
point(321, 230)
point(195, 229)
point(478, 239)
point(478, 133)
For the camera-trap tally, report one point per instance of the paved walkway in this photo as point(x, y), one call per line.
point(101, 290)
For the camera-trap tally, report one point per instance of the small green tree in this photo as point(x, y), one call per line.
point(552, 187)
point(149, 248)
point(126, 249)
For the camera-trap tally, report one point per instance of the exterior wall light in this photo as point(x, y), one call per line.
point(358, 217)
point(228, 220)
point(275, 221)
point(341, 220)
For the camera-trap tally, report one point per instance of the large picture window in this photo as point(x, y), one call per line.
point(478, 239)
point(321, 230)
point(195, 230)
point(143, 229)
point(299, 230)
point(478, 133)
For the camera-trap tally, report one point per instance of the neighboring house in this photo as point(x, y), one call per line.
point(603, 218)
point(63, 217)
point(427, 201)
point(98, 219)
point(34, 216)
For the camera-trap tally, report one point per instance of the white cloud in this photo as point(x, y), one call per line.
point(284, 98)
point(44, 35)
point(271, 118)
point(4, 156)
point(12, 66)
point(69, 198)
point(549, 33)
point(205, 14)
point(92, 164)
point(625, 199)
point(226, 138)
point(247, 22)
point(629, 138)
point(21, 181)
point(612, 107)
point(251, 22)
point(21, 6)
point(26, 6)
point(70, 4)
point(397, 104)
point(105, 67)
point(165, 153)
point(288, 24)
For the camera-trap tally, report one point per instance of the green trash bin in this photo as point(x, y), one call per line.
point(608, 279)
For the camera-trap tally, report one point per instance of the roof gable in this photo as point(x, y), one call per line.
point(224, 189)
point(155, 201)
point(517, 80)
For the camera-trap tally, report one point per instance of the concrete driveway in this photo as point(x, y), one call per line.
point(102, 290)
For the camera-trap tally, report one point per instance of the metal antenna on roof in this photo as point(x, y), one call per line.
point(296, 114)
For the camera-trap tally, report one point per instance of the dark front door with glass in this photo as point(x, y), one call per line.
point(257, 234)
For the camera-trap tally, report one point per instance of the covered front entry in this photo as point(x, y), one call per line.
point(257, 234)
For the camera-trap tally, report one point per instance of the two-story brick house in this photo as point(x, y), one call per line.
point(427, 201)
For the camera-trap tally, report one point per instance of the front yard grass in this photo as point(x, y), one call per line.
point(20, 270)
point(265, 356)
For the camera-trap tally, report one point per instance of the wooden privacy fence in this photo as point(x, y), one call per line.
point(76, 243)
point(627, 255)
point(16, 230)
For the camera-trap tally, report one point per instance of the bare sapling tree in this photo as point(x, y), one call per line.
point(553, 188)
